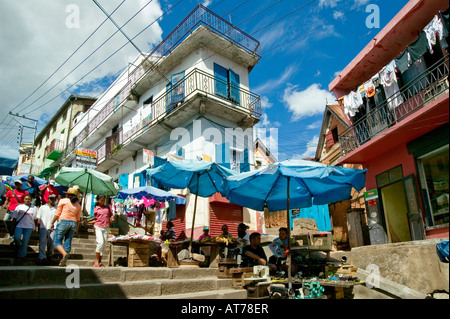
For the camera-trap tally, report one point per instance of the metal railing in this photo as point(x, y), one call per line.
point(196, 82)
point(55, 145)
point(420, 91)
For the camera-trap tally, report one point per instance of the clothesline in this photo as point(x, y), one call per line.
point(387, 76)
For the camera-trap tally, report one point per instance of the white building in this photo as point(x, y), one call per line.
point(188, 98)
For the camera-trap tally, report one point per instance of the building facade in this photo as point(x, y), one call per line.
point(188, 98)
point(395, 96)
point(53, 139)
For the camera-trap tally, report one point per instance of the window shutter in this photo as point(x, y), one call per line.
point(223, 154)
point(220, 81)
point(245, 165)
point(329, 139)
point(235, 94)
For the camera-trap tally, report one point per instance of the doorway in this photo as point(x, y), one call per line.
point(396, 212)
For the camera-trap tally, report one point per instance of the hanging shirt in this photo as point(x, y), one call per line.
point(433, 28)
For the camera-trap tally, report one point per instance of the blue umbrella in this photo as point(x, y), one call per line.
point(200, 177)
point(294, 183)
point(154, 192)
point(39, 181)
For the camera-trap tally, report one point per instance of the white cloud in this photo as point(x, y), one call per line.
point(274, 83)
point(339, 15)
point(311, 148)
point(358, 4)
point(207, 2)
point(308, 102)
point(328, 3)
point(265, 103)
point(35, 39)
point(318, 73)
point(337, 73)
point(314, 125)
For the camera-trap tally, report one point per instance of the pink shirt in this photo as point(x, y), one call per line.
point(102, 216)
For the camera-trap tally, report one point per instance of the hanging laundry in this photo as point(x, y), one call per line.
point(445, 17)
point(435, 27)
point(418, 48)
point(172, 213)
point(403, 61)
point(352, 102)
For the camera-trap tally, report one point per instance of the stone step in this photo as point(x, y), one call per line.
point(40, 275)
point(118, 282)
point(217, 294)
point(113, 290)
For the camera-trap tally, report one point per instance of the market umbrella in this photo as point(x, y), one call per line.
point(294, 183)
point(39, 181)
point(202, 178)
point(89, 180)
point(155, 193)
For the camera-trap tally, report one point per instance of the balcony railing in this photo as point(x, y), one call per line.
point(196, 82)
point(56, 145)
point(424, 88)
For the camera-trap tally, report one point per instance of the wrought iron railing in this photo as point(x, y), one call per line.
point(196, 82)
point(424, 88)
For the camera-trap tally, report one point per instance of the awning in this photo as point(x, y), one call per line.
point(7, 165)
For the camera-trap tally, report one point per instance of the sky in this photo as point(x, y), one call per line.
point(53, 48)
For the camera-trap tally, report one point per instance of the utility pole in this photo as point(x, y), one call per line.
point(34, 138)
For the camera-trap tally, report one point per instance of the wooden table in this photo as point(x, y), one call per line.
point(176, 247)
point(126, 243)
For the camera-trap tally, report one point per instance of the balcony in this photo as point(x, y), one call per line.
point(429, 86)
point(196, 92)
point(54, 150)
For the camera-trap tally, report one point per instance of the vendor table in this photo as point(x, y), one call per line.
point(137, 251)
point(176, 247)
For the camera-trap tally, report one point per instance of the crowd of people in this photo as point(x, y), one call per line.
point(56, 217)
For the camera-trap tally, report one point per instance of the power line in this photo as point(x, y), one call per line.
point(106, 58)
point(82, 44)
point(82, 62)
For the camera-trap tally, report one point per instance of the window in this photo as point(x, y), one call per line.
point(434, 181)
point(148, 101)
point(226, 84)
point(391, 176)
point(54, 127)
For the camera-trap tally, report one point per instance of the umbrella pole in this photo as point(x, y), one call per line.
point(193, 219)
point(289, 258)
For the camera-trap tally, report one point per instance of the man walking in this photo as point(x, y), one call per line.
point(46, 237)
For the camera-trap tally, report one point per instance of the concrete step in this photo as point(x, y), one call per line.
point(218, 294)
point(118, 282)
point(39, 275)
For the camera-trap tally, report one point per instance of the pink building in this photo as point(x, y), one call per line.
point(395, 95)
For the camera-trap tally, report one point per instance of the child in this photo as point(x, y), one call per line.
point(103, 217)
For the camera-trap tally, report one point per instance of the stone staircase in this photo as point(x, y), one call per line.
point(114, 283)
point(26, 279)
point(82, 254)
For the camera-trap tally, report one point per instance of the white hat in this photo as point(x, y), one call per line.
point(52, 182)
point(18, 181)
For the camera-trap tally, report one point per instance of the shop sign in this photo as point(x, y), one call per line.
point(149, 157)
point(372, 194)
point(86, 158)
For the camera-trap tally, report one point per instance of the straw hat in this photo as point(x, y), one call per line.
point(73, 191)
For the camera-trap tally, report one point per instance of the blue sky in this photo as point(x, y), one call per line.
point(304, 46)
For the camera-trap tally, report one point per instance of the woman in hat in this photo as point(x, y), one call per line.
point(103, 217)
point(68, 215)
